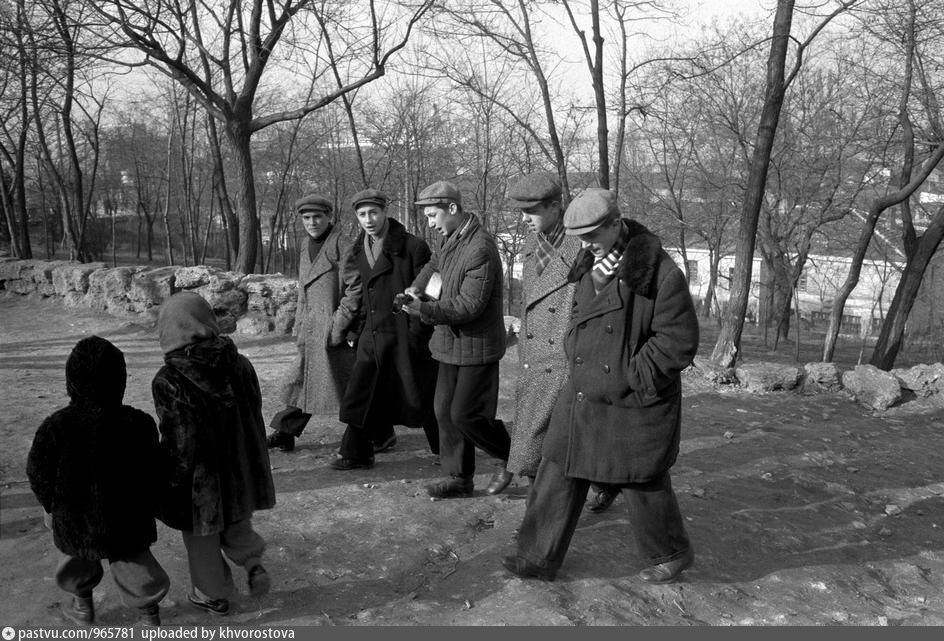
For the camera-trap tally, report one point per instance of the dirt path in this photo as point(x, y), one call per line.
point(803, 510)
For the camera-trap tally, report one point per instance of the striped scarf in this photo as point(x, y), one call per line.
point(547, 246)
point(605, 267)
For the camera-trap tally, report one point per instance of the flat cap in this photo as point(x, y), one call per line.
point(533, 189)
point(440, 192)
point(369, 197)
point(593, 207)
point(313, 202)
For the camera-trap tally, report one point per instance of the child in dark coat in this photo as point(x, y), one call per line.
point(209, 408)
point(93, 466)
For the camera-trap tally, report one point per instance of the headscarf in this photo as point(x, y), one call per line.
point(95, 373)
point(185, 318)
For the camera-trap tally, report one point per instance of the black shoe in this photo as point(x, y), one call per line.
point(219, 607)
point(527, 570)
point(603, 499)
point(454, 488)
point(282, 440)
point(344, 464)
point(386, 445)
point(150, 615)
point(669, 571)
point(81, 611)
point(499, 481)
point(259, 582)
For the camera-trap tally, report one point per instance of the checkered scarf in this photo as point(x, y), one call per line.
point(604, 268)
point(547, 246)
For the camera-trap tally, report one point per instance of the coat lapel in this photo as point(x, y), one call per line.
point(609, 299)
point(311, 271)
point(554, 275)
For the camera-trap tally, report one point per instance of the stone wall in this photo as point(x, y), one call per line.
point(262, 304)
point(245, 303)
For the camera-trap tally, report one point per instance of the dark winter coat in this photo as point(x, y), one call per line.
point(618, 419)
point(393, 349)
point(545, 316)
point(94, 466)
point(468, 319)
point(329, 293)
point(210, 418)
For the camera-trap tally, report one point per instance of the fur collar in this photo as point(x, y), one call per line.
point(640, 262)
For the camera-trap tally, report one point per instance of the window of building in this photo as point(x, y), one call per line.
point(692, 267)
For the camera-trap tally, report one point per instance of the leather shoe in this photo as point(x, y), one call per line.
point(603, 499)
point(669, 571)
point(345, 464)
point(81, 611)
point(454, 488)
point(282, 440)
point(500, 480)
point(527, 570)
point(386, 445)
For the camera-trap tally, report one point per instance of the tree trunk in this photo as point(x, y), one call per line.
point(893, 328)
point(230, 220)
point(729, 339)
point(238, 134)
point(603, 133)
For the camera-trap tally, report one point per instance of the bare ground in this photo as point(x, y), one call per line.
point(803, 510)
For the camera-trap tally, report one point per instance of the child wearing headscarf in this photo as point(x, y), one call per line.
point(209, 408)
point(93, 466)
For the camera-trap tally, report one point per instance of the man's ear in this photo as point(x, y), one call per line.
point(453, 209)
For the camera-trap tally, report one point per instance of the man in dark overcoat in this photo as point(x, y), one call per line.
point(329, 293)
point(632, 332)
point(394, 375)
point(468, 340)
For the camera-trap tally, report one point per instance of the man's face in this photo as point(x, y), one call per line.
point(542, 217)
point(601, 240)
point(371, 218)
point(316, 222)
point(442, 218)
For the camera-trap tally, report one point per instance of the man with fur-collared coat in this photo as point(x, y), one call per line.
point(618, 418)
point(329, 293)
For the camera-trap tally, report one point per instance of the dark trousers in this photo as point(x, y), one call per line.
point(141, 580)
point(291, 420)
point(209, 571)
point(555, 504)
point(466, 401)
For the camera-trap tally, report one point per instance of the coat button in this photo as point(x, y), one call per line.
point(582, 326)
point(580, 396)
point(547, 370)
point(609, 329)
point(551, 341)
point(525, 366)
point(574, 303)
point(552, 309)
point(606, 368)
point(530, 335)
point(578, 360)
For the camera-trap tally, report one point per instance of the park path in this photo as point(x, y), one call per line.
point(804, 510)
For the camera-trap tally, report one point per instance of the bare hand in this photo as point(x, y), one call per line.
point(413, 307)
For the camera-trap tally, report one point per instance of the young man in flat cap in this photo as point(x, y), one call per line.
point(617, 421)
point(394, 376)
point(468, 340)
point(329, 294)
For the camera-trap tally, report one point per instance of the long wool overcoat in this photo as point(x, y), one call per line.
point(546, 306)
point(329, 293)
point(393, 358)
point(619, 416)
point(209, 410)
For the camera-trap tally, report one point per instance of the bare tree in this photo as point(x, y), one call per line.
point(222, 52)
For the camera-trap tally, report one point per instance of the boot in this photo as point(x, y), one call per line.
point(81, 611)
point(150, 615)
